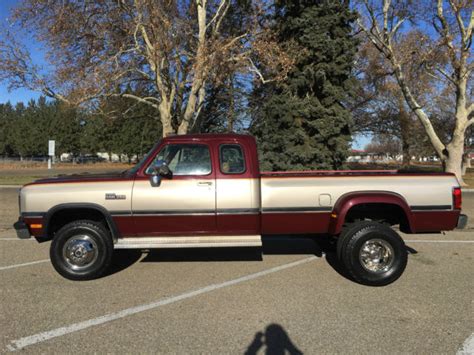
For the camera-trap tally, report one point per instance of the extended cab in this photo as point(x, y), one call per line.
point(207, 191)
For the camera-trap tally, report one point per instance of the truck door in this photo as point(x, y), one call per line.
point(238, 191)
point(183, 204)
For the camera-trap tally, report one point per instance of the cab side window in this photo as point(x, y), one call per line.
point(184, 159)
point(231, 157)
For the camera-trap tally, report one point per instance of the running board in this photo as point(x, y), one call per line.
point(214, 241)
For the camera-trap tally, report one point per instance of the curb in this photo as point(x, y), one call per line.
point(467, 190)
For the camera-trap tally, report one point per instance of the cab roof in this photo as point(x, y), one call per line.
point(210, 136)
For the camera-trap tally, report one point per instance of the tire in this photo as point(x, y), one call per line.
point(81, 250)
point(372, 253)
point(342, 239)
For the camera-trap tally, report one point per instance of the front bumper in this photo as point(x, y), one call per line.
point(22, 231)
point(462, 221)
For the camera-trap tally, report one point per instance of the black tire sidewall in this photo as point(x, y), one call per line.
point(347, 234)
point(104, 249)
point(350, 255)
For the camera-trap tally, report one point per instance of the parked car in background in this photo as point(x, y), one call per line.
point(87, 159)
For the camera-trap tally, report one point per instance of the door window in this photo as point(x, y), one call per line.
point(184, 159)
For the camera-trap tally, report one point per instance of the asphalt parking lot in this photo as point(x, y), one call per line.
point(292, 298)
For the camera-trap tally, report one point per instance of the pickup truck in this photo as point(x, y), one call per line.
point(206, 190)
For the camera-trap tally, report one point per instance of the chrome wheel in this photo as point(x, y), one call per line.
point(80, 251)
point(376, 255)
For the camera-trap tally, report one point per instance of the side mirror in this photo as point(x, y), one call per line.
point(158, 173)
point(155, 180)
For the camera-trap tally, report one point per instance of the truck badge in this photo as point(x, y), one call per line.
point(111, 196)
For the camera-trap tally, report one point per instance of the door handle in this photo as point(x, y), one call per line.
point(204, 183)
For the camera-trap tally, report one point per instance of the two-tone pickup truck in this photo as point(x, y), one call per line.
point(208, 191)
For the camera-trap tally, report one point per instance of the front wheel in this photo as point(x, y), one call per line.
point(81, 250)
point(372, 253)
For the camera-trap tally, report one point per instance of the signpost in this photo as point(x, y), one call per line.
point(51, 149)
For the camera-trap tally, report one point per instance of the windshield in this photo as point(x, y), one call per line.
point(142, 160)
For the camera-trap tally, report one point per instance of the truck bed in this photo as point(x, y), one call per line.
point(304, 200)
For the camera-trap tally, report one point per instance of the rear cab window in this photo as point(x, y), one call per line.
point(231, 159)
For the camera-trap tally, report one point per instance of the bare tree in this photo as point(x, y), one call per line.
point(170, 50)
point(384, 145)
point(379, 107)
point(447, 58)
point(19, 70)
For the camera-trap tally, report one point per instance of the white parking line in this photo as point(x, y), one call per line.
point(438, 241)
point(2, 268)
point(467, 347)
point(43, 336)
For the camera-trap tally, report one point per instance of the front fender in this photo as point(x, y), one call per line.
point(80, 206)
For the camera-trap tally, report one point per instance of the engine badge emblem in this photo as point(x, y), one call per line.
point(112, 196)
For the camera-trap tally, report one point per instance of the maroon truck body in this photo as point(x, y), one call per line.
point(303, 221)
point(209, 189)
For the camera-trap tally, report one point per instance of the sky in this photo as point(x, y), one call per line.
point(37, 54)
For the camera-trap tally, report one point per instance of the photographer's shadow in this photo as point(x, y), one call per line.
point(274, 341)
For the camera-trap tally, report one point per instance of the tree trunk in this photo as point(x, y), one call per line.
point(456, 147)
point(454, 160)
point(167, 127)
point(165, 118)
point(466, 163)
point(190, 108)
point(197, 93)
point(406, 156)
point(193, 108)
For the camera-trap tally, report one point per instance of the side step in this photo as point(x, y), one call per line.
point(211, 241)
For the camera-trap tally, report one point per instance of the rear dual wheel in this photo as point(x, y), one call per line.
point(372, 253)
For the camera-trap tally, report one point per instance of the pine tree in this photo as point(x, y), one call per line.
point(6, 115)
point(122, 127)
point(303, 123)
point(65, 128)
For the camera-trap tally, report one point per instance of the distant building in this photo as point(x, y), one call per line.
point(100, 156)
point(361, 156)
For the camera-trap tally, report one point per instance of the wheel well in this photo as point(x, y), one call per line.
point(381, 212)
point(64, 216)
